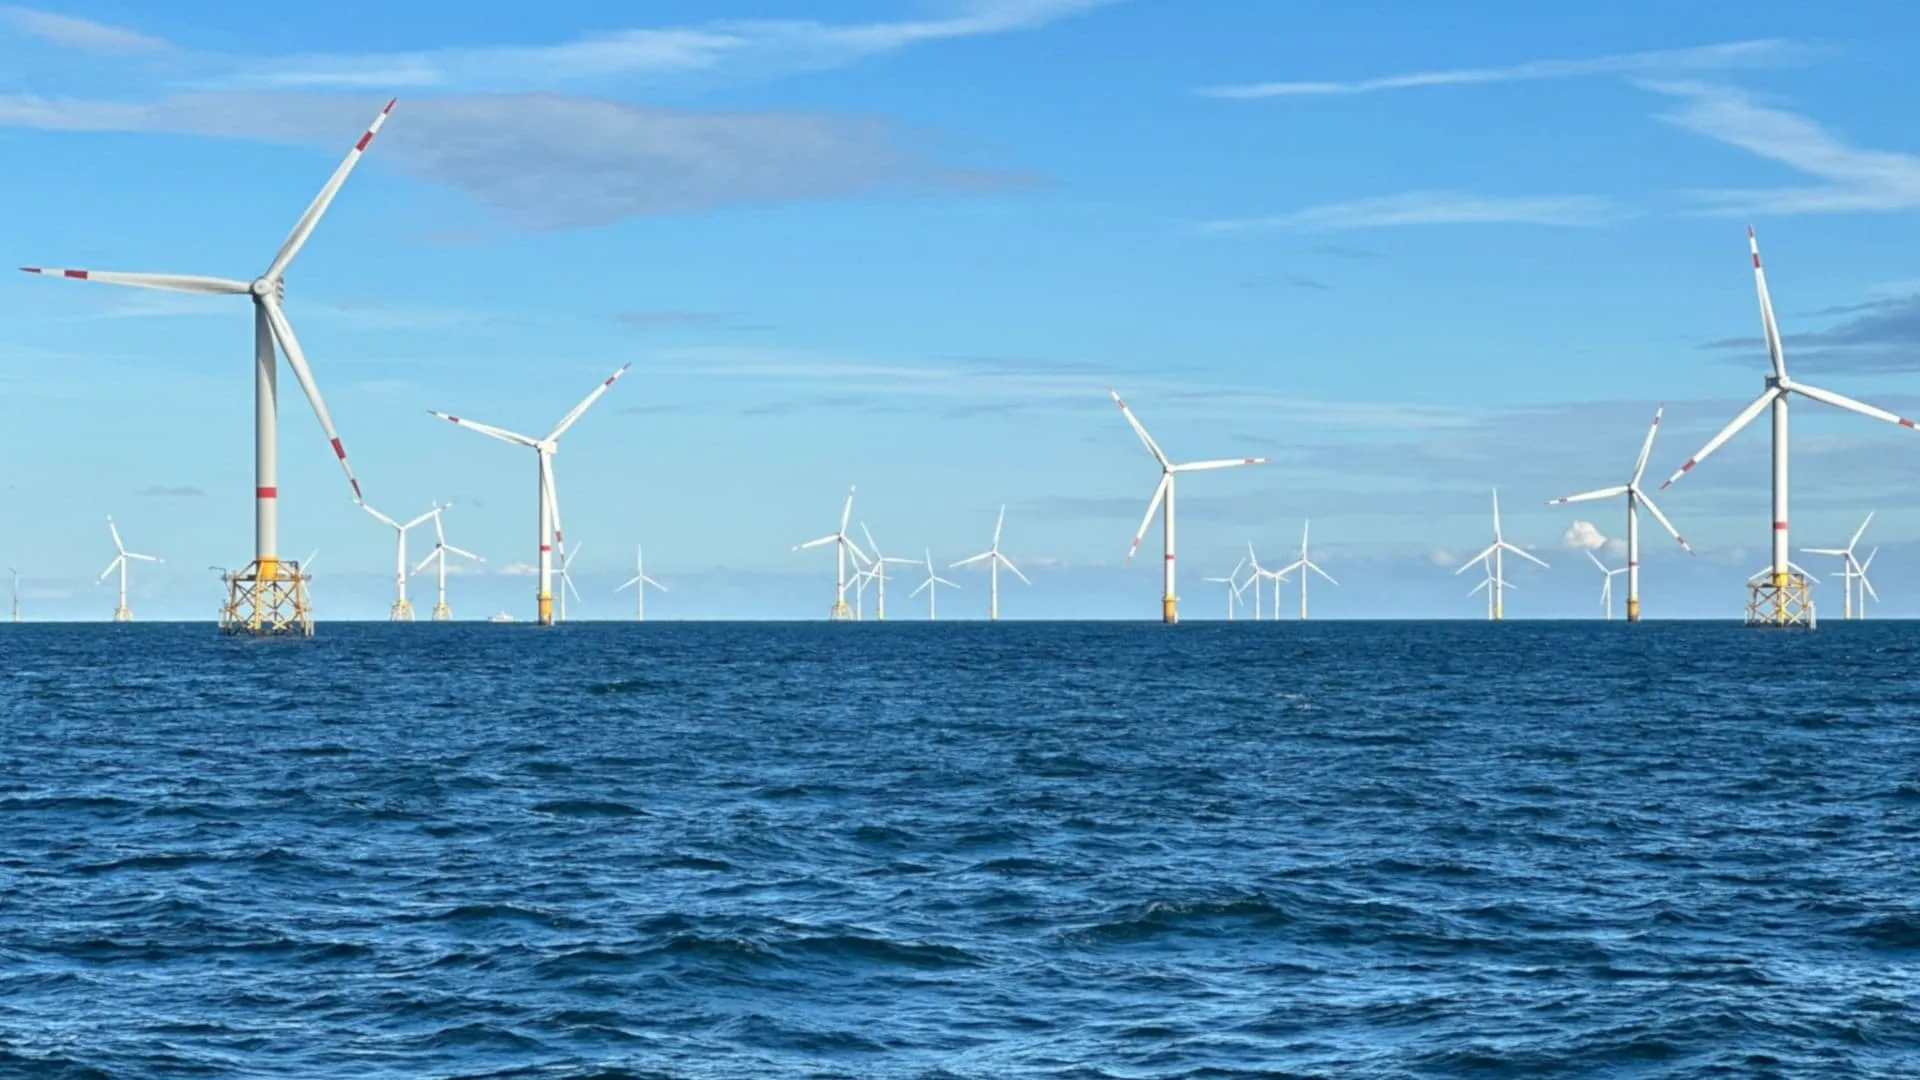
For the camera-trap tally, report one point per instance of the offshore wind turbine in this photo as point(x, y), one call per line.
point(1636, 497)
point(438, 557)
point(122, 613)
point(1492, 584)
point(402, 610)
point(639, 582)
point(566, 579)
point(1232, 582)
point(1851, 569)
point(932, 588)
point(1780, 596)
point(549, 504)
point(1259, 575)
point(995, 560)
point(1491, 555)
point(1606, 586)
point(876, 572)
point(1302, 564)
point(842, 546)
point(1169, 600)
point(264, 598)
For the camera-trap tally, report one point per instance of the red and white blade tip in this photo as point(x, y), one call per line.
point(80, 275)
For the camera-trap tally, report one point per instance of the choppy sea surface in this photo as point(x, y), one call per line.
point(961, 850)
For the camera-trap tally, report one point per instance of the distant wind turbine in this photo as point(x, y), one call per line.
point(1606, 585)
point(1851, 569)
point(1636, 497)
point(995, 560)
point(843, 545)
point(1232, 582)
point(932, 587)
point(1491, 555)
point(1302, 564)
point(122, 613)
point(638, 583)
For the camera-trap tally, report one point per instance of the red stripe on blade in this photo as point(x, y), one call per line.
point(364, 140)
point(339, 451)
point(1904, 422)
point(80, 274)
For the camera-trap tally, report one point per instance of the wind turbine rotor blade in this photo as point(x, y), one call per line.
point(115, 530)
point(1522, 552)
point(1646, 448)
point(1841, 401)
point(186, 283)
point(1859, 532)
point(462, 552)
point(846, 512)
point(567, 420)
point(1153, 507)
point(1496, 517)
point(1767, 323)
point(1140, 430)
point(854, 549)
point(1598, 563)
point(1480, 558)
point(1202, 466)
point(868, 533)
point(649, 581)
point(971, 561)
point(1008, 563)
point(419, 520)
point(422, 564)
point(111, 567)
point(998, 525)
point(948, 584)
point(1733, 428)
point(1484, 582)
point(1588, 496)
point(1824, 551)
point(318, 207)
point(1322, 573)
point(382, 518)
point(1664, 523)
point(297, 360)
point(627, 584)
point(815, 543)
point(922, 587)
point(1861, 572)
point(144, 558)
point(485, 429)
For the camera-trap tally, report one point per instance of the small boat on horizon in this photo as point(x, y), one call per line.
point(500, 616)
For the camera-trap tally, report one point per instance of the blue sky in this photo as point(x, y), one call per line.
point(908, 244)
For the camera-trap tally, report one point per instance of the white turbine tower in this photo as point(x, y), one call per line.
point(842, 546)
point(1232, 582)
point(639, 582)
point(1302, 564)
point(1851, 568)
point(438, 557)
point(1491, 555)
point(1492, 585)
point(549, 505)
point(995, 560)
point(122, 613)
point(1169, 600)
point(1636, 497)
point(1779, 597)
point(1606, 587)
point(264, 598)
point(1261, 574)
point(402, 607)
point(876, 572)
point(932, 588)
point(566, 577)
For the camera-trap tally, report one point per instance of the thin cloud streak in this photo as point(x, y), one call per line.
point(82, 34)
point(1722, 57)
point(740, 48)
point(1855, 179)
point(1436, 208)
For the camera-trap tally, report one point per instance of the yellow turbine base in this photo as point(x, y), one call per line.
point(546, 609)
point(1633, 609)
point(1170, 609)
point(442, 613)
point(267, 599)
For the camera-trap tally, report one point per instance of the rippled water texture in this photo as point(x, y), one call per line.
point(1359, 850)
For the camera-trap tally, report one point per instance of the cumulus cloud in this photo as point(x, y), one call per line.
point(1583, 536)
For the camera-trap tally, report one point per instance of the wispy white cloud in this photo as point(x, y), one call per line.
point(76, 33)
point(1436, 208)
point(551, 160)
point(1720, 57)
point(1854, 179)
point(730, 49)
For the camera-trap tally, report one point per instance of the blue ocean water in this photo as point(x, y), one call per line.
point(961, 850)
